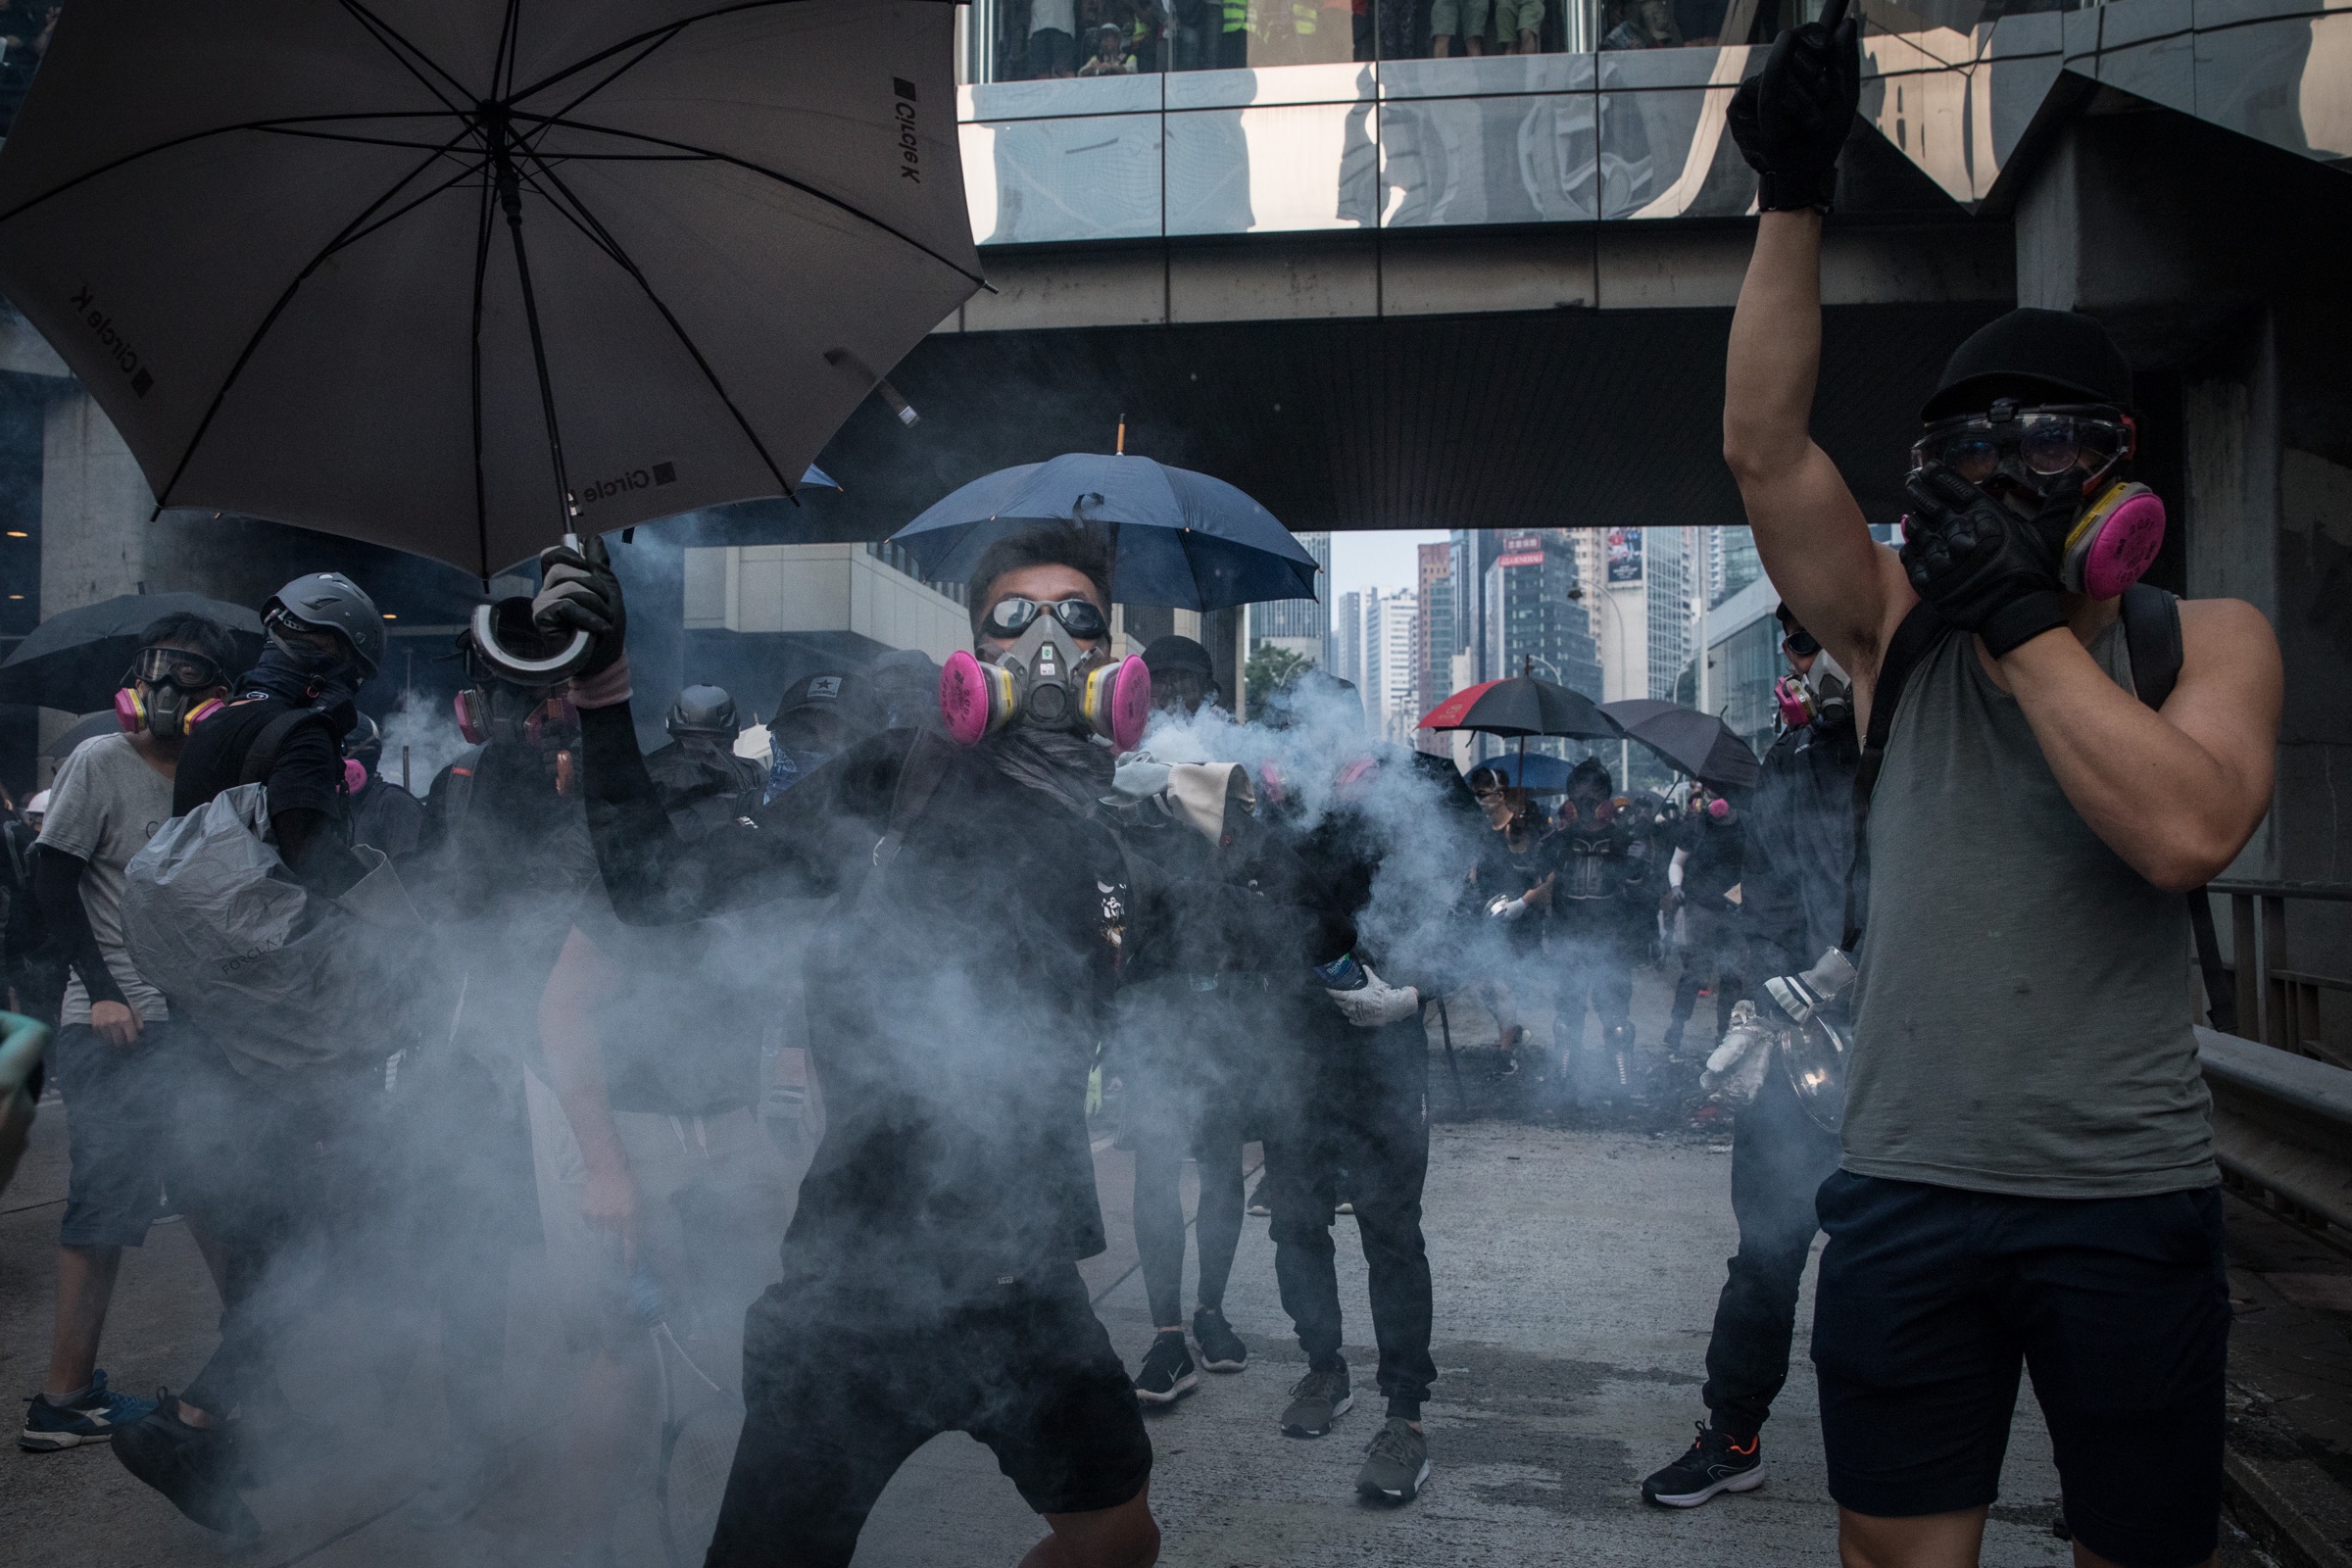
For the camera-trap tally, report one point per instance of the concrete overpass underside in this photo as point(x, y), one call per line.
point(1355, 384)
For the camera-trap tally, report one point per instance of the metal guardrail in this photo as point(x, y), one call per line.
point(2275, 1005)
point(2282, 1123)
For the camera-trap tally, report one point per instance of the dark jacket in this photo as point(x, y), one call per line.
point(1800, 841)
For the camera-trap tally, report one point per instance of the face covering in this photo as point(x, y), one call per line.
point(303, 676)
point(1044, 683)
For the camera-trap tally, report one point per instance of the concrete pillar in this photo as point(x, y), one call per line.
point(94, 508)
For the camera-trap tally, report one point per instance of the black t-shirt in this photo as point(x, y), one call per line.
point(308, 775)
point(1713, 868)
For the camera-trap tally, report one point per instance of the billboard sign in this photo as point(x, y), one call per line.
point(1624, 556)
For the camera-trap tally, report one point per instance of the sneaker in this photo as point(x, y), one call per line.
point(1221, 1349)
point(1344, 1206)
point(1397, 1465)
point(1258, 1199)
point(1715, 1463)
point(1168, 1375)
point(193, 1467)
point(1317, 1399)
point(1672, 1038)
point(94, 1416)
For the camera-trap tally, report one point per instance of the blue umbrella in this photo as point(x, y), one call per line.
point(1183, 539)
point(1547, 775)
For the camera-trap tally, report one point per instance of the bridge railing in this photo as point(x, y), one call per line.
point(2278, 1003)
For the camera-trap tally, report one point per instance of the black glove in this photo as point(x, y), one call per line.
point(579, 593)
point(1983, 567)
point(1791, 119)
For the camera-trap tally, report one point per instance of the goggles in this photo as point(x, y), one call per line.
point(1010, 618)
point(176, 666)
point(2041, 449)
point(1800, 643)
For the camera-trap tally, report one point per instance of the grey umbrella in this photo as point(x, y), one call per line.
point(89, 728)
point(417, 271)
point(75, 660)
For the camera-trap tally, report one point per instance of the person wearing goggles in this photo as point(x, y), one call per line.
point(2025, 1132)
point(113, 1053)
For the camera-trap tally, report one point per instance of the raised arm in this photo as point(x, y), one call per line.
point(1814, 542)
point(2176, 793)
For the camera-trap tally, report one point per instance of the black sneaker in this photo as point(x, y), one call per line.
point(194, 1467)
point(94, 1415)
point(1715, 1463)
point(1258, 1203)
point(1168, 1375)
point(1397, 1465)
point(1317, 1399)
point(1221, 1349)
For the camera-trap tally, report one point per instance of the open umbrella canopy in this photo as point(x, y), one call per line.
point(1699, 744)
point(1183, 539)
point(1535, 773)
point(76, 660)
point(1524, 705)
point(420, 271)
point(88, 730)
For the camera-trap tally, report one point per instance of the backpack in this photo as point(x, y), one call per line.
point(2152, 620)
point(283, 979)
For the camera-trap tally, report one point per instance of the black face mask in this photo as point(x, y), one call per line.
point(305, 675)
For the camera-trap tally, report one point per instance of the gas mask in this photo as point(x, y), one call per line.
point(1826, 688)
point(159, 692)
point(1043, 679)
point(2042, 454)
point(503, 712)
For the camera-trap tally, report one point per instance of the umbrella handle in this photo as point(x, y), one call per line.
point(514, 667)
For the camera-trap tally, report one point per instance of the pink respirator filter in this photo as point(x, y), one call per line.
point(355, 775)
point(2118, 540)
point(964, 698)
point(127, 710)
point(1130, 704)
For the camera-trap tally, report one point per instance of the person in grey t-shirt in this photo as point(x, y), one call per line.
point(2027, 1178)
point(111, 1052)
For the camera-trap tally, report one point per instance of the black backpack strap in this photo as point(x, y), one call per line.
point(261, 757)
point(1913, 640)
point(926, 764)
point(2152, 639)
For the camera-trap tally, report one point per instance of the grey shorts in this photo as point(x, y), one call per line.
point(118, 1126)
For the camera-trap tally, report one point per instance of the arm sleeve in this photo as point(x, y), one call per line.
point(653, 875)
point(57, 889)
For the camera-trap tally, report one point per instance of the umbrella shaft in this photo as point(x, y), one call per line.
point(509, 197)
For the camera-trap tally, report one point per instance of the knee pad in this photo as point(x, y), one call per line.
point(1620, 1036)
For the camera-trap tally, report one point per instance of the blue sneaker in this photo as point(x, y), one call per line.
point(92, 1417)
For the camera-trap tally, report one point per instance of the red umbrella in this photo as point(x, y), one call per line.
point(1524, 706)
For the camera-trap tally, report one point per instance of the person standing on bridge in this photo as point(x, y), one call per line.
point(2027, 1176)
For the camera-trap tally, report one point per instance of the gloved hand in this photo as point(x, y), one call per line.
point(1375, 1002)
point(1791, 119)
point(580, 593)
point(1985, 569)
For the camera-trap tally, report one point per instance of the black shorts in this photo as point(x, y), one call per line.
point(835, 1401)
point(1930, 1300)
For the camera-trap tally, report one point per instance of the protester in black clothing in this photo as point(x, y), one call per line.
point(383, 815)
point(1600, 849)
point(34, 967)
point(1352, 1094)
point(1186, 1042)
point(983, 909)
point(701, 780)
point(1797, 846)
point(821, 714)
point(256, 1168)
point(1513, 882)
point(1704, 871)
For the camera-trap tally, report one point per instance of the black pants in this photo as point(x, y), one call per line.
point(838, 1393)
point(1185, 1051)
point(1779, 1161)
point(1364, 1109)
point(266, 1173)
point(1596, 968)
point(1713, 958)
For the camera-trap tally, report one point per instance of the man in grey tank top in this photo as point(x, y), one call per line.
point(2027, 1180)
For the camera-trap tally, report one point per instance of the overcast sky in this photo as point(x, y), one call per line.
point(1378, 560)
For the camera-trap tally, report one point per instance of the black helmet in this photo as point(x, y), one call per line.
point(1167, 655)
point(2033, 355)
point(703, 711)
point(364, 738)
point(1587, 773)
point(328, 601)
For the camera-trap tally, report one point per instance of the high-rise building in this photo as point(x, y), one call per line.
point(1730, 561)
point(1391, 656)
point(1435, 665)
point(1669, 611)
point(1532, 623)
point(1302, 625)
point(1348, 639)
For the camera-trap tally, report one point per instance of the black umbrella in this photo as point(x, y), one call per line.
point(461, 277)
point(1699, 744)
point(76, 660)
